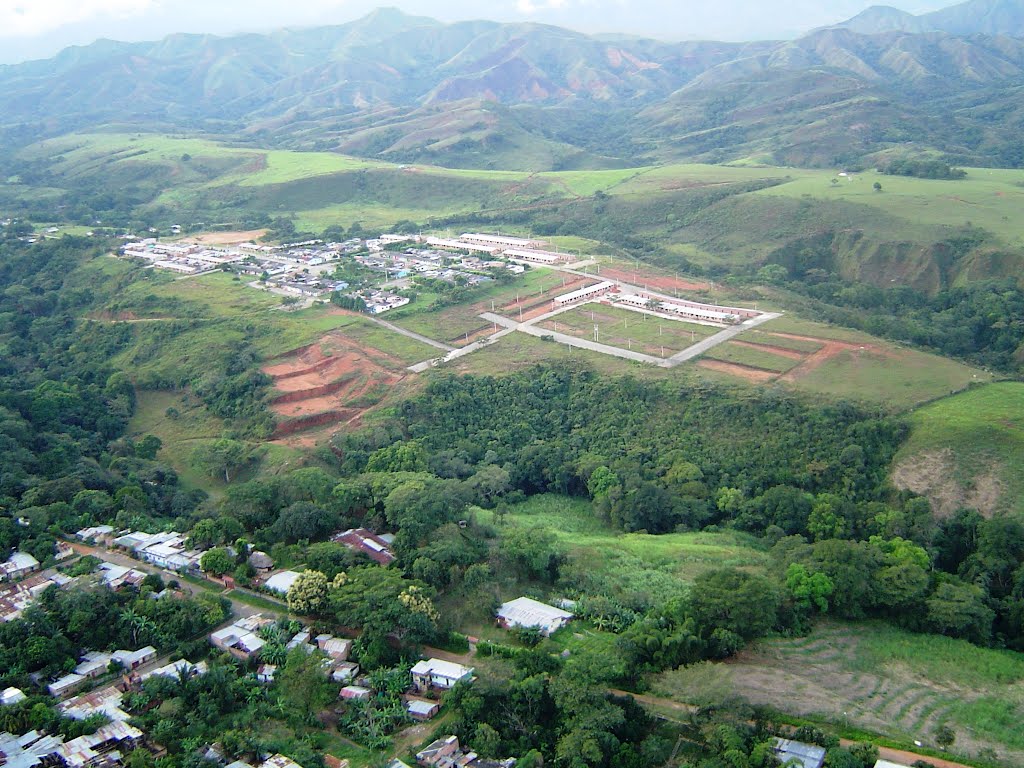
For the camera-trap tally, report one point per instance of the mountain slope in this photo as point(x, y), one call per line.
point(974, 17)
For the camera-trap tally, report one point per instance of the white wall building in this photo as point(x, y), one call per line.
point(524, 612)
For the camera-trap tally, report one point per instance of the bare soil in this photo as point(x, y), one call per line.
point(791, 354)
point(933, 475)
point(229, 238)
point(332, 382)
point(654, 282)
point(830, 349)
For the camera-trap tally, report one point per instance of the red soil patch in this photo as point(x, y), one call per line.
point(654, 282)
point(831, 349)
point(792, 354)
point(229, 238)
point(755, 375)
point(326, 383)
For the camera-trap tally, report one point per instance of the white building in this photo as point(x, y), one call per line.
point(12, 696)
point(281, 582)
point(524, 612)
point(18, 564)
point(538, 257)
point(501, 241)
point(437, 673)
point(584, 294)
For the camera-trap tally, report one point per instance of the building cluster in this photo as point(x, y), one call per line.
point(448, 753)
point(166, 550)
point(105, 748)
point(94, 664)
point(185, 258)
point(676, 308)
point(512, 248)
point(17, 566)
point(16, 596)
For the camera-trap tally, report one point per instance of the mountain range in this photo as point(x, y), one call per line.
point(536, 97)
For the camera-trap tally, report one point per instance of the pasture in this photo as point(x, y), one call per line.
point(875, 677)
point(967, 450)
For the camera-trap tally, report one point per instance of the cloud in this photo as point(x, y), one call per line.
point(531, 7)
point(26, 18)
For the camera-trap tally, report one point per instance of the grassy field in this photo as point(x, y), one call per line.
point(635, 566)
point(989, 198)
point(406, 350)
point(968, 450)
point(878, 678)
point(770, 339)
point(752, 358)
point(627, 329)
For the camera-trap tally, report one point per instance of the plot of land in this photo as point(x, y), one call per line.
point(649, 279)
point(967, 451)
point(626, 329)
point(755, 356)
point(334, 381)
point(644, 566)
point(881, 679)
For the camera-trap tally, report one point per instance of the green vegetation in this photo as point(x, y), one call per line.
point(976, 434)
point(731, 352)
point(627, 329)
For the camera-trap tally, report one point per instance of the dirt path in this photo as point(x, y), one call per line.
point(754, 375)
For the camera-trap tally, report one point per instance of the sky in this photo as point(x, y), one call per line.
point(34, 29)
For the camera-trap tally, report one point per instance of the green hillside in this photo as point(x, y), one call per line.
point(967, 450)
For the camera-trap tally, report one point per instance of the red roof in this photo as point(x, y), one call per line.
point(366, 541)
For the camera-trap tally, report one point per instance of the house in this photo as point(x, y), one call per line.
point(117, 577)
point(335, 762)
point(66, 685)
point(261, 562)
point(238, 640)
point(19, 564)
point(105, 701)
point(134, 659)
point(436, 751)
point(335, 647)
point(887, 764)
point(266, 673)
point(12, 696)
point(355, 693)
point(279, 761)
point(421, 709)
point(362, 540)
point(436, 673)
point(301, 639)
point(524, 612)
point(281, 582)
point(166, 549)
point(93, 664)
point(501, 241)
point(100, 748)
point(344, 671)
point(178, 669)
point(398, 764)
point(101, 534)
point(799, 755)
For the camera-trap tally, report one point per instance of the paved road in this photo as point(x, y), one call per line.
point(713, 341)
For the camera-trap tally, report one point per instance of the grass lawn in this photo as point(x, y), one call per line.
point(632, 565)
point(407, 350)
point(981, 431)
point(753, 358)
point(798, 326)
point(878, 678)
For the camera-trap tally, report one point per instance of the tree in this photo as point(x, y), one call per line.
point(303, 685)
point(308, 595)
point(216, 561)
point(221, 457)
point(808, 590)
point(959, 610)
point(877, 186)
point(739, 602)
point(945, 736)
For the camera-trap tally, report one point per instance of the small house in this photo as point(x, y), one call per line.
point(355, 693)
point(799, 755)
point(266, 673)
point(281, 582)
point(527, 613)
point(421, 709)
point(261, 562)
point(436, 673)
point(12, 696)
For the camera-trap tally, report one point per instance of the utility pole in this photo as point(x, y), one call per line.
point(597, 333)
